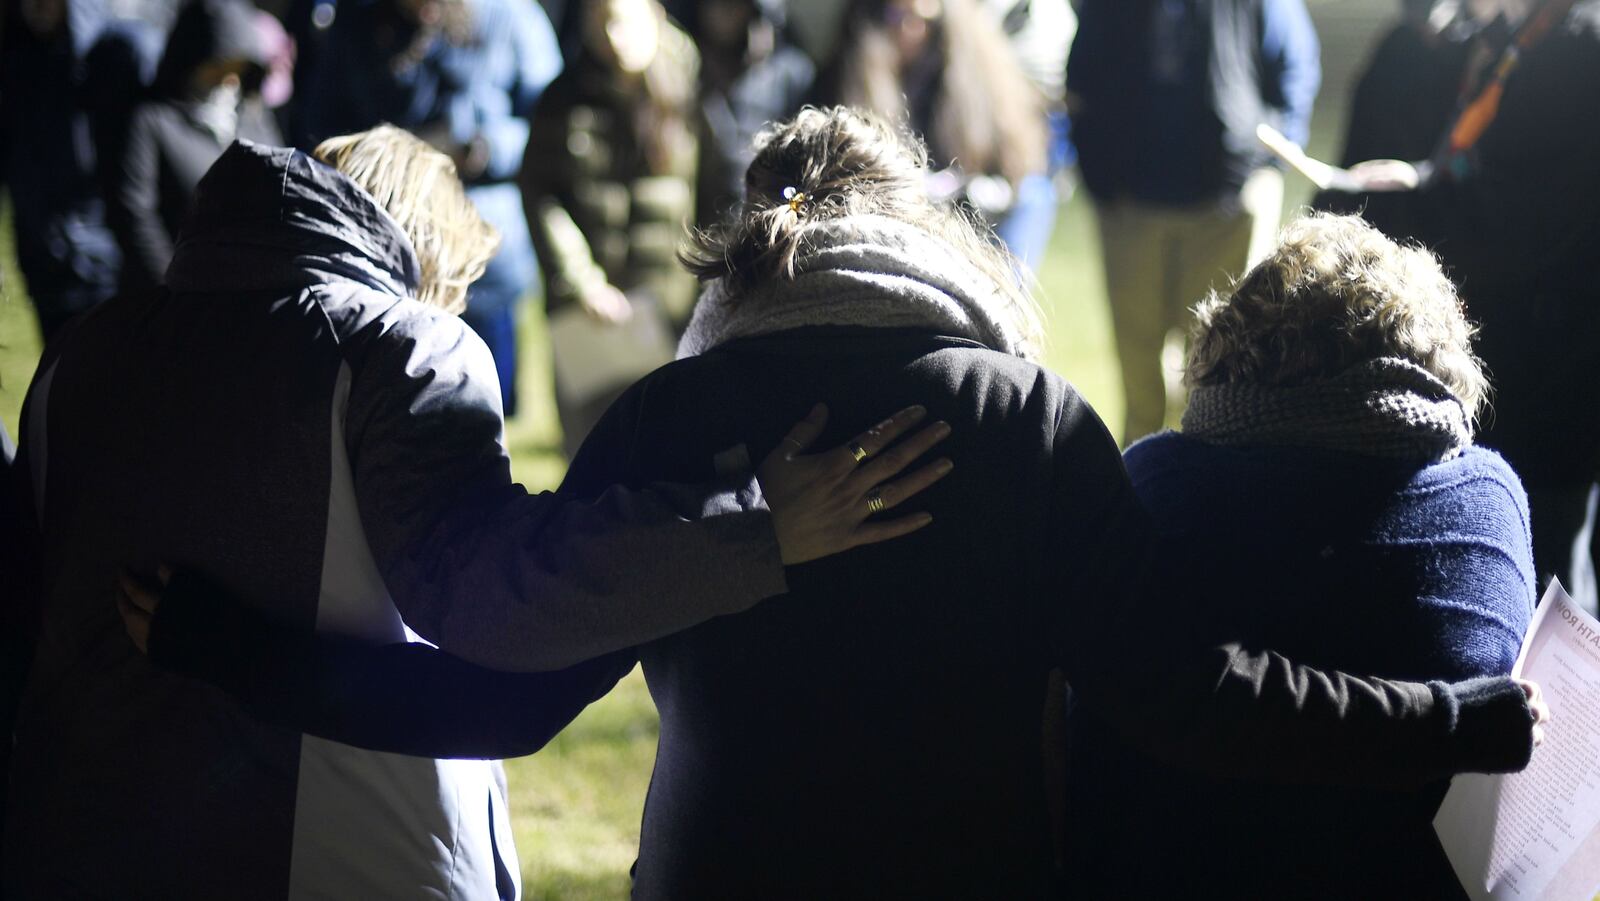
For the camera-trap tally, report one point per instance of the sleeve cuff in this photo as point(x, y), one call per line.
point(1489, 723)
point(201, 632)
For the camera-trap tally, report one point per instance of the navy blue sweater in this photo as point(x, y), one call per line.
point(1345, 561)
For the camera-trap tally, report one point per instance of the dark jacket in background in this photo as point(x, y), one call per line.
point(587, 166)
point(1519, 233)
point(1345, 562)
point(737, 99)
point(168, 148)
point(1405, 97)
point(48, 161)
point(1169, 113)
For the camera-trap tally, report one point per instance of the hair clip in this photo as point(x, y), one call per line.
point(796, 199)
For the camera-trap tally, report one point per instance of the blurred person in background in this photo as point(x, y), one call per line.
point(464, 75)
point(301, 415)
point(609, 182)
point(1327, 445)
point(1165, 97)
point(750, 75)
point(1041, 32)
point(1506, 194)
point(48, 160)
point(946, 69)
point(1407, 93)
point(206, 94)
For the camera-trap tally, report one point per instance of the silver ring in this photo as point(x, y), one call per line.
point(874, 501)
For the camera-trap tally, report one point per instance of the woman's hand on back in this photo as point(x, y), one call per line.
point(822, 503)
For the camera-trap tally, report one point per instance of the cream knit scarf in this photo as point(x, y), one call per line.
point(860, 271)
point(1388, 407)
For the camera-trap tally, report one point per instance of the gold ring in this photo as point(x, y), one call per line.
point(859, 452)
point(874, 501)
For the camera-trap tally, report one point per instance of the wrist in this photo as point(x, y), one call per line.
point(196, 631)
point(1489, 722)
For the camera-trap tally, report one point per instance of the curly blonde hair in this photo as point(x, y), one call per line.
point(418, 187)
point(1334, 293)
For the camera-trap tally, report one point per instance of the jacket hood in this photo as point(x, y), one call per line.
point(208, 30)
point(273, 218)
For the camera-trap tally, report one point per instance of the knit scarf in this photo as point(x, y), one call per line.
point(860, 271)
point(1386, 407)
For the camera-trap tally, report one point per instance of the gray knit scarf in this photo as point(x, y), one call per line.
point(1386, 407)
point(862, 271)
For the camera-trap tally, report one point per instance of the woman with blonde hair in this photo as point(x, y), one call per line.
point(876, 732)
point(1325, 498)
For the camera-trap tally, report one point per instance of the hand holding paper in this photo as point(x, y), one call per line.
point(1535, 835)
point(1372, 176)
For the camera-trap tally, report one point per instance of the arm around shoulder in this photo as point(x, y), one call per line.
point(1128, 650)
point(525, 582)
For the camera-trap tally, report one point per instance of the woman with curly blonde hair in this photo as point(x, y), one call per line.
point(1326, 462)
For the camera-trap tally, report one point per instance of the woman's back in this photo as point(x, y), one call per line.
point(876, 732)
point(1408, 571)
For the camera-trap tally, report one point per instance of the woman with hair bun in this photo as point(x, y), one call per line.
point(876, 732)
point(1324, 498)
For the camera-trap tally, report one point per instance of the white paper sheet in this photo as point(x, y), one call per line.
point(1535, 835)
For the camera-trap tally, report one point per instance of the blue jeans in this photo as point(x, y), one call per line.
point(1026, 228)
point(492, 299)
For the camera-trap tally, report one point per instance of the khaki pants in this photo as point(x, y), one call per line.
point(1160, 262)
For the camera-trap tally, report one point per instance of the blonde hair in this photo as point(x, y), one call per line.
point(847, 162)
point(418, 187)
point(1336, 292)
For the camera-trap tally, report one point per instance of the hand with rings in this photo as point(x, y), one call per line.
point(821, 502)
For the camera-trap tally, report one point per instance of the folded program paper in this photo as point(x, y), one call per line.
point(1535, 835)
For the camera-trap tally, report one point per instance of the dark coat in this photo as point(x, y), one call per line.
point(167, 149)
point(1519, 235)
point(588, 160)
point(732, 113)
point(48, 164)
point(1188, 138)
